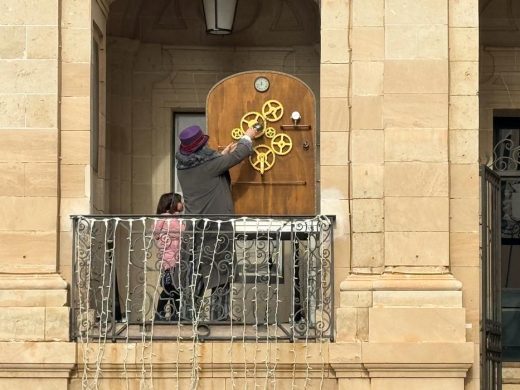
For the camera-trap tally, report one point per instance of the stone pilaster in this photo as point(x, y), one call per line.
point(33, 307)
point(410, 329)
point(33, 296)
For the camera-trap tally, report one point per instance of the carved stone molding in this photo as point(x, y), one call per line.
point(287, 17)
point(181, 22)
point(401, 360)
point(498, 70)
point(432, 282)
point(500, 22)
point(171, 16)
point(32, 282)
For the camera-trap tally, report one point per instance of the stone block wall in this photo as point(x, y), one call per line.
point(404, 134)
point(33, 296)
point(29, 133)
point(397, 86)
point(464, 240)
point(81, 189)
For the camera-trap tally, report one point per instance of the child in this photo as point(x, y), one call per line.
point(167, 235)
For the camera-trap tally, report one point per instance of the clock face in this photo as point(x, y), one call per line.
point(261, 84)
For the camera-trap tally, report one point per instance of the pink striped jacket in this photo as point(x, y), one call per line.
point(167, 235)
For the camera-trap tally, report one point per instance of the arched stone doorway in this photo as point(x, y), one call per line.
point(161, 64)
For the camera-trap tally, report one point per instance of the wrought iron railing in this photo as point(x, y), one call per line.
point(204, 278)
point(490, 322)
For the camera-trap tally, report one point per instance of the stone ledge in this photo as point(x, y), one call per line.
point(33, 298)
point(417, 353)
point(419, 299)
point(34, 323)
point(405, 360)
point(37, 370)
point(33, 291)
point(32, 282)
point(401, 282)
point(410, 370)
point(27, 354)
point(511, 373)
point(416, 325)
point(346, 360)
point(214, 353)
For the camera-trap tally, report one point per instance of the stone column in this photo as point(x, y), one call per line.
point(367, 136)
point(464, 166)
point(33, 296)
point(400, 302)
point(76, 175)
point(334, 128)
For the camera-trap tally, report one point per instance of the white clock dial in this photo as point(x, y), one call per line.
point(261, 84)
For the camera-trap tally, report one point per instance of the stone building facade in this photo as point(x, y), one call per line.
point(401, 135)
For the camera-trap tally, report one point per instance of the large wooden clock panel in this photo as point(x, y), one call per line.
point(280, 177)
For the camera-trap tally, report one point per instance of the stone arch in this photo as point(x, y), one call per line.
point(160, 61)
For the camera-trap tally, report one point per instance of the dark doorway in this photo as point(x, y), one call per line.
point(506, 162)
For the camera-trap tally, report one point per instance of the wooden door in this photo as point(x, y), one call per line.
point(280, 177)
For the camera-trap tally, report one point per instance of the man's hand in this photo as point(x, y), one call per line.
point(230, 148)
point(251, 133)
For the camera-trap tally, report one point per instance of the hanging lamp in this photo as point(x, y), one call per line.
point(220, 15)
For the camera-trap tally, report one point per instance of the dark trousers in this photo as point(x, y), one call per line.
point(169, 299)
point(206, 266)
point(219, 301)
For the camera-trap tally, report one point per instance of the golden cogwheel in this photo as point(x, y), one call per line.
point(250, 119)
point(272, 110)
point(281, 144)
point(263, 158)
point(237, 133)
point(270, 132)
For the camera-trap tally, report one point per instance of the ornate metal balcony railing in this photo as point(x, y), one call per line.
point(204, 278)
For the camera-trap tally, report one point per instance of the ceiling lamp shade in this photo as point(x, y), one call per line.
point(220, 15)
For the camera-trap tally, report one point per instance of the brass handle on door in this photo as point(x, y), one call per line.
point(306, 145)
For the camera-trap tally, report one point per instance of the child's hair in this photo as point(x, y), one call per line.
point(168, 203)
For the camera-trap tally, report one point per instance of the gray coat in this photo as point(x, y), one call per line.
point(206, 186)
point(205, 181)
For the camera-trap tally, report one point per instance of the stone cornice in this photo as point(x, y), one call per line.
point(422, 370)
point(37, 370)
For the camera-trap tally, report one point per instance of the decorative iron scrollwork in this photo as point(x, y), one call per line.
point(270, 276)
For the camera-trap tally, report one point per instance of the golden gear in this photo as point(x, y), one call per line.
point(281, 144)
point(237, 133)
point(270, 132)
point(264, 158)
point(250, 119)
point(272, 110)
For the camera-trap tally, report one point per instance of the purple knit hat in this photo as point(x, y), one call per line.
point(192, 139)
